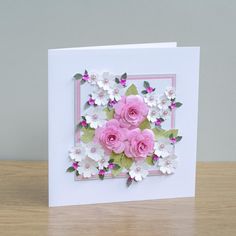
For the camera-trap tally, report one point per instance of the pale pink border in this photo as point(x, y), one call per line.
point(171, 77)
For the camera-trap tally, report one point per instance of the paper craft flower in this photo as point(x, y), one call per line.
point(151, 99)
point(153, 114)
point(106, 81)
point(138, 171)
point(77, 153)
point(94, 151)
point(139, 144)
point(100, 96)
point(168, 164)
point(111, 136)
point(131, 111)
point(121, 130)
point(163, 147)
point(87, 167)
point(95, 117)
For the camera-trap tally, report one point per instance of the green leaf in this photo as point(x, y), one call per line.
point(146, 84)
point(117, 80)
point(178, 138)
point(82, 81)
point(124, 76)
point(178, 104)
point(171, 132)
point(116, 172)
point(109, 113)
point(70, 169)
point(122, 160)
point(88, 135)
point(101, 177)
point(144, 92)
point(129, 181)
point(78, 76)
point(132, 90)
point(149, 161)
point(161, 133)
point(145, 125)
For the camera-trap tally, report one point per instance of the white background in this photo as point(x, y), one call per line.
point(63, 64)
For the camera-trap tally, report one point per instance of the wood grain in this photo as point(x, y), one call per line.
point(24, 211)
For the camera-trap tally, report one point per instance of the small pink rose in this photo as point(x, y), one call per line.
point(131, 111)
point(111, 136)
point(140, 144)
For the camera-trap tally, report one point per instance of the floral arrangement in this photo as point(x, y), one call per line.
point(122, 130)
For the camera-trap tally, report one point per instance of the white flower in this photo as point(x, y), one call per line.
point(138, 171)
point(151, 99)
point(116, 92)
point(95, 117)
point(103, 163)
point(164, 114)
point(153, 114)
point(77, 153)
point(100, 96)
point(106, 81)
point(170, 93)
point(94, 151)
point(93, 78)
point(168, 164)
point(87, 167)
point(163, 147)
point(163, 102)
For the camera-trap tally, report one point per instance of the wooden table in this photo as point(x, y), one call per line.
point(24, 211)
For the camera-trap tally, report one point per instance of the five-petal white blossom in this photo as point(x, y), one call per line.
point(138, 171)
point(168, 164)
point(163, 102)
point(164, 114)
point(94, 151)
point(163, 147)
point(153, 114)
point(106, 81)
point(100, 96)
point(95, 117)
point(103, 162)
point(151, 99)
point(87, 167)
point(116, 92)
point(93, 78)
point(77, 153)
point(170, 93)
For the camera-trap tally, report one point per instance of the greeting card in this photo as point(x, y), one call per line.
point(122, 123)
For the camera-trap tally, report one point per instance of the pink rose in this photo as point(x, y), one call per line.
point(111, 136)
point(140, 144)
point(131, 111)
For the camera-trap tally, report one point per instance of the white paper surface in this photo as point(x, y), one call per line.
point(149, 59)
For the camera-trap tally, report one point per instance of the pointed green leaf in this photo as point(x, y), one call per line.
point(178, 104)
point(87, 135)
point(161, 133)
point(149, 161)
point(146, 84)
point(109, 113)
point(172, 132)
point(117, 80)
point(78, 76)
point(132, 90)
point(145, 125)
point(70, 169)
point(124, 76)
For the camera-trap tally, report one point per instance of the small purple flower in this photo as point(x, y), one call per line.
point(173, 106)
point(150, 89)
point(158, 122)
point(101, 172)
point(173, 140)
point(85, 76)
point(155, 157)
point(91, 102)
point(111, 166)
point(123, 82)
point(75, 165)
point(83, 123)
point(111, 103)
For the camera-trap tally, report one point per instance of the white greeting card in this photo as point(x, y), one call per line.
point(122, 123)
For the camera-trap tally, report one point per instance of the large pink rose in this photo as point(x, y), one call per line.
point(140, 144)
point(130, 111)
point(111, 136)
